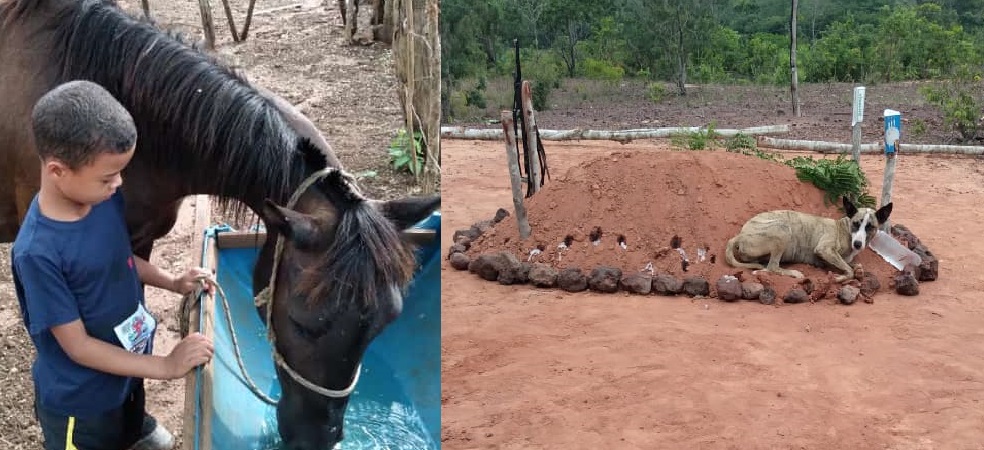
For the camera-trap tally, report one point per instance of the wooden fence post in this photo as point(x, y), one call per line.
point(514, 177)
point(207, 27)
point(529, 136)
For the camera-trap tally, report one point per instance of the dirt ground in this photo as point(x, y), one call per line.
point(297, 52)
point(826, 107)
point(529, 368)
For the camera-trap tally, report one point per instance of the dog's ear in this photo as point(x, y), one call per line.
point(883, 213)
point(849, 209)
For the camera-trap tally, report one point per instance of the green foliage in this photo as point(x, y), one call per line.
point(841, 177)
point(476, 96)
point(961, 110)
point(402, 151)
point(702, 139)
point(656, 92)
point(596, 69)
point(740, 141)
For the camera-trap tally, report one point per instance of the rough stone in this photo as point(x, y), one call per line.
point(513, 271)
point(543, 276)
point(796, 295)
point(906, 284)
point(848, 294)
point(870, 284)
point(696, 285)
point(929, 269)
point(464, 235)
point(487, 266)
point(637, 283)
point(457, 248)
point(768, 296)
point(572, 280)
point(604, 279)
point(500, 215)
point(666, 284)
point(751, 290)
point(460, 261)
point(728, 288)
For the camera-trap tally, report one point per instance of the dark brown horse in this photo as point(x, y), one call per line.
point(205, 130)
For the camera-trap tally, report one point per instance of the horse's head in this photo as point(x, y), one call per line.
point(342, 270)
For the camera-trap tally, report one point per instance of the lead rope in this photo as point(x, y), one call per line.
point(265, 297)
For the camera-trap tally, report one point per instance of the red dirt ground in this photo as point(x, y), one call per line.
point(542, 369)
point(701, 197)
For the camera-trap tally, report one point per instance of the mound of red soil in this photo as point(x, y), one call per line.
point(649, 199)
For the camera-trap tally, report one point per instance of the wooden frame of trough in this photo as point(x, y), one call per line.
point(198, 383)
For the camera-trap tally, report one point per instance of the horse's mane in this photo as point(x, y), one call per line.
point(368, 252)
point(182, 98)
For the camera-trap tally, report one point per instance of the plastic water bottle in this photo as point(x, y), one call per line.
point(893, 251)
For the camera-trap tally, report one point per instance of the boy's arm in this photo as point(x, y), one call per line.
point(104, 357)
point(155, 276)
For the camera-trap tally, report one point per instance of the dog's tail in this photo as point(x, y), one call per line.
point(729, 254)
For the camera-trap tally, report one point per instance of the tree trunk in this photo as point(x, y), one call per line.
point(491, 134)
point(681, 56)
point(417, 61)
point(793, 78)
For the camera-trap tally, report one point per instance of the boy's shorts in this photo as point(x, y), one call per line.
point(117, 429)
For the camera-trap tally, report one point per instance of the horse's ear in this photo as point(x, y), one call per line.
point(407, 212)
point(300, 228)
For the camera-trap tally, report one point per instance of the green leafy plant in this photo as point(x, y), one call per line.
point(841, 177)
point(702, 139)
point(656, 92)
point(960, 110)
point(740, 141)
point(402, 150)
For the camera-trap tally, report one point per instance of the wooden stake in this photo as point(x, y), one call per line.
point(856, 142)
point(887, 184)
point(232, 22)
point(207, 27)
point(517, 189)
point(146, 8)
point(529, 136)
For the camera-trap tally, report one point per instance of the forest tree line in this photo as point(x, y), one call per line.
point(708, 41)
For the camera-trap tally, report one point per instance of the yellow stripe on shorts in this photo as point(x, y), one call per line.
point(69, 445)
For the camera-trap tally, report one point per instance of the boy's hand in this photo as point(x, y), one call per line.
point(192, 279)
point(193, 351)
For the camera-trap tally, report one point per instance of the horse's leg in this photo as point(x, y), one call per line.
point(341, 8)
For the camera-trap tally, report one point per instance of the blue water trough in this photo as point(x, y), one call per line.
point(397, 402)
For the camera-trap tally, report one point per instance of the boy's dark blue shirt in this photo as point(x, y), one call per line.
point(65, 271)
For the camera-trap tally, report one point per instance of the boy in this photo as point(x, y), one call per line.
point(79, 284)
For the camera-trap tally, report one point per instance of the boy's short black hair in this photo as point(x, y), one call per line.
point(78, 120)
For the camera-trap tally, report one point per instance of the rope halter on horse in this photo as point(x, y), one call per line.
point(265, 298)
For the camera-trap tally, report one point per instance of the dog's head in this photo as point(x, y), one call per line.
point(864, 222)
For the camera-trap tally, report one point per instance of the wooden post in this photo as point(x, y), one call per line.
point(893, 135)
point(207, 27)
point(517, 189)
point(887, 185)
point(232, 22)
point(857, 115)
point(248, 21)
point(351, 19)
point(529, 136)
point(146, 8)
point(203, 213)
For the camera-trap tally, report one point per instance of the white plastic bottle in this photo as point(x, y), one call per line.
point(893, 251)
